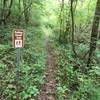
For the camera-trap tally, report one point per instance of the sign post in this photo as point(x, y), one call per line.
point(18, 43)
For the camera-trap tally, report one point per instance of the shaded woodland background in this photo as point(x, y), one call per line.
point(73, 28)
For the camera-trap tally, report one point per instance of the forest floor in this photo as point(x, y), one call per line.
point(48, 90)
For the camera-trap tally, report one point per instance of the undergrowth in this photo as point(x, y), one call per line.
point(33, 59)
point(73, 82)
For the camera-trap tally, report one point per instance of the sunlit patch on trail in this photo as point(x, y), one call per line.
point(47, 32)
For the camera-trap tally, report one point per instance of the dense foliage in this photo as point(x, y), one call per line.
point(71, 26)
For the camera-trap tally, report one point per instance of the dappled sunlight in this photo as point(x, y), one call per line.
point(47, 31)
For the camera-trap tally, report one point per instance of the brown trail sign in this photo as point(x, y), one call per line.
point(18, 38)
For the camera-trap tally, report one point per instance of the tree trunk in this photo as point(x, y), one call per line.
point(72, 28)
point(61, 21)
point(9, 11)
point(5, 13)
point(94, 32)
point(2, 21)
point(27, 5)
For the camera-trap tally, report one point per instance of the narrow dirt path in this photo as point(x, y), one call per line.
point(48, 89)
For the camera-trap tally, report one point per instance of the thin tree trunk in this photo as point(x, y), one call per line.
point(27, 5)
point(61, 20)
point(9, 12)
point(19, 5)
point(72, 30)
point(3, 13)
point(94, 32)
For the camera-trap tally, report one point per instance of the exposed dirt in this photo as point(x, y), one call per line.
point(48, 89)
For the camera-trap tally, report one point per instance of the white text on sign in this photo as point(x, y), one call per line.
point(18, 38)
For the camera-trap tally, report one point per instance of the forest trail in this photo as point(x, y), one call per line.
point(48, 89)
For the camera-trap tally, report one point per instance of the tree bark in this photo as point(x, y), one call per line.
point(61, 20)
point(27, 4)
point(72, 28)
point(94, 32)
point(9, 11)
point(2, 21)
point(5, 11)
